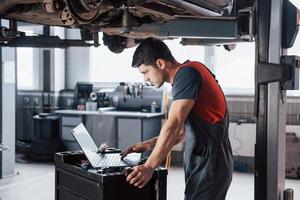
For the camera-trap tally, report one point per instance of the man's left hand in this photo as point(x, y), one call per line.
point(140, 175)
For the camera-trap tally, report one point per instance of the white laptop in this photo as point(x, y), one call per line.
point(101, 160)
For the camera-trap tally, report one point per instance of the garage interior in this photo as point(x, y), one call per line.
point(72, 65)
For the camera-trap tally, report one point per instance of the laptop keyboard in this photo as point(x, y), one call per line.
point(111, 160)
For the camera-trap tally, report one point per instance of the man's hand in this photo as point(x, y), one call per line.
point(140, 175)
point(135, 148)
point(102, 148)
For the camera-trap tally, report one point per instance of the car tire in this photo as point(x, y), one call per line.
point(114, 43)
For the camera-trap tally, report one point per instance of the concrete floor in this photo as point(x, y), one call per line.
point(35, 181)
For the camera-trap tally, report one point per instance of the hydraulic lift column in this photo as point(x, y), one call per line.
point(7, 110)
point(270, 107)
point(1, 134)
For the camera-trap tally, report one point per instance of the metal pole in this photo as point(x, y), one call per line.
point(288, 194)
point(271, 108)
point(209, 54)
point(276, 111)
point(1, 132)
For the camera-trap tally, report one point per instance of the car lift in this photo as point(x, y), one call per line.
point(11, 37)
point(272, 71)
point(274, 30)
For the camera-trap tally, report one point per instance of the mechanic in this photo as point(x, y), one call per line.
point(198, 114)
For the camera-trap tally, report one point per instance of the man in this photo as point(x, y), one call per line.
point(198, 114)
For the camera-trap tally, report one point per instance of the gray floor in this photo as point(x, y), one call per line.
point(36, 182)
point(31, 182)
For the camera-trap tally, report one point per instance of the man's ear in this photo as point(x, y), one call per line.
point(161, 63)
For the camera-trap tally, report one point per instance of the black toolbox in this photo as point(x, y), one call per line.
point(75, 183)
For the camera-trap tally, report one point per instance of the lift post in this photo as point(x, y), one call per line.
point(270, 105)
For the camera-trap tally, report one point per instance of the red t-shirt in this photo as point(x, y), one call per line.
point(194, 81)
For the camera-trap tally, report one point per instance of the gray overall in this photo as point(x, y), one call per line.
point(208, 160)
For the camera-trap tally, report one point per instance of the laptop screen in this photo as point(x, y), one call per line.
point(86, 143)
point(90, 149)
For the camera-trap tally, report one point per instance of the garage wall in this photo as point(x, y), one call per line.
point(242, 128)
point(241, 108)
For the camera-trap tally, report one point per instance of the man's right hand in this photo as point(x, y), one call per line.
point(135, 148)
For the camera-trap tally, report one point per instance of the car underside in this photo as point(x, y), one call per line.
point(123, 21)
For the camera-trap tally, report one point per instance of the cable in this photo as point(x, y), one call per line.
point(235, 151)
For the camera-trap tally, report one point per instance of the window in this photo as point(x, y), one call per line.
point(25, 68)
point(106, 66)
point(183, 53)
point(110, 67)
point(27, 61)
point(235, 69)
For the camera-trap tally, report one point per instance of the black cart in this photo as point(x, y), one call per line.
point(72, 182)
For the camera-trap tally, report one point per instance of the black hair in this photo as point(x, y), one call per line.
point(149, 50)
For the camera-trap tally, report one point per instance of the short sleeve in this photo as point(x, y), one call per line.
point(187, 83)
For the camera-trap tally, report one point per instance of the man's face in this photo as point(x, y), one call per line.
point(153, 74)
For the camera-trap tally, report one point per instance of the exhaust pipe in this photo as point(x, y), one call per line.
point(194, 8)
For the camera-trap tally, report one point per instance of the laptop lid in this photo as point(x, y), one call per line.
point(90, 149)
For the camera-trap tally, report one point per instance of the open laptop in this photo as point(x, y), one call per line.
point(101, 160)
